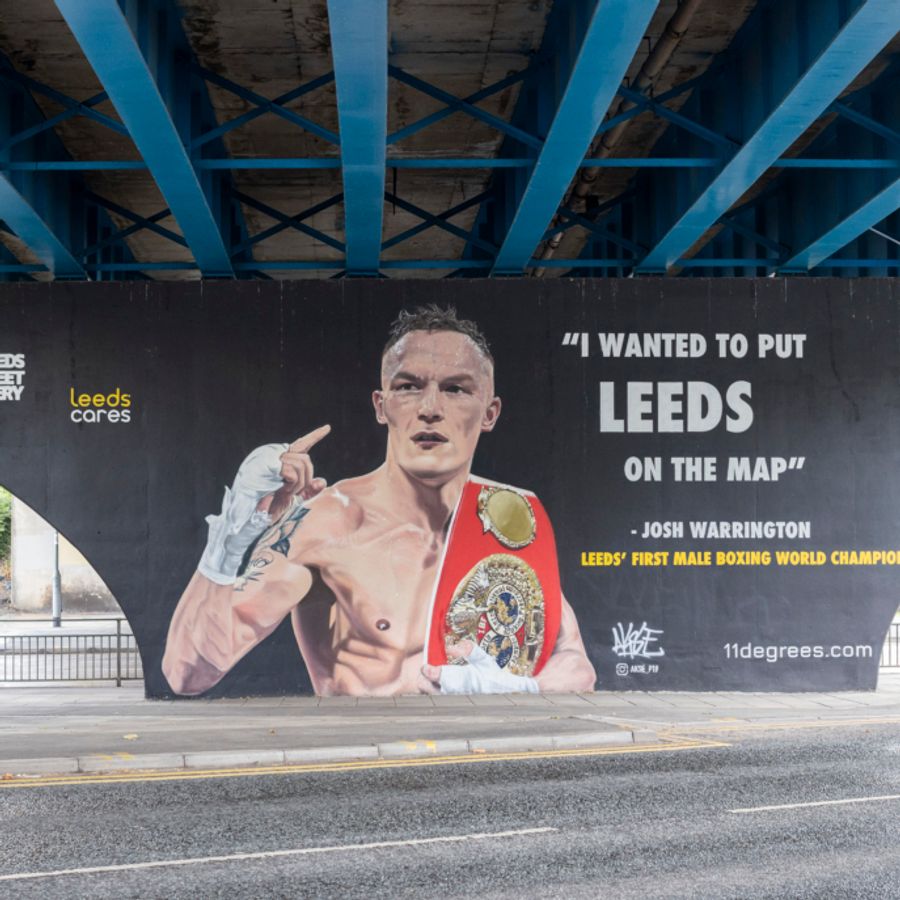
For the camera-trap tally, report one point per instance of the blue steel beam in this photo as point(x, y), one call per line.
point(273, 106)
point(137, 49)
point(141, 222)
point(41, 221)
point(437, 221)
point(803, 217)
point(270, 163)
point(44, 210)
point(843, 232)
point(596, 229)
point(469, 101)
point(47, 124)
point(285, 223)
point(426, 224)
point(287, 265)
point(291, 222)
point(455, 104)
point(70, 104)
point(594, 53)
point(889, 134)
point(359, 45)
point(261, 110)
point(119, 235)
point(273, 163)
point(643, 103)
point(864, 198)
point(44, 201)
point(660, 99)
point(782, 111)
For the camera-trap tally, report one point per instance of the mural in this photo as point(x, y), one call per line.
point(718, 459)
point(357, 565)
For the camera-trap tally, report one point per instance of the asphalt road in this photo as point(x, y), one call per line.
point(660, 824)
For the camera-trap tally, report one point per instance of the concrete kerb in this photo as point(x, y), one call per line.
point(250, 759)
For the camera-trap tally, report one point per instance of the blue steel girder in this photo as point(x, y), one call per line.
point(840, 214)
point(264, 105)
point(261, 108)
point(285, 222)
point(841, 233)
point(49, 211)
point(803, 216)
point(150, 223)
point(140, 54)
point(590, 43)
point(359, 49)
point(294, 222)
point(118, 236)
point(642, 104)
point(569, 218)
point(464, 105)
point(767, 95)
point(72, 106)
point(430, 221)
point(437, 221)
point(608, 248)
point(44, 210)
point(468, 103)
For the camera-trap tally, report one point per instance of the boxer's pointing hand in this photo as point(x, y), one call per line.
point(297, 472)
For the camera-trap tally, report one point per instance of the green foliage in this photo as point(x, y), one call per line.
point(5, 523)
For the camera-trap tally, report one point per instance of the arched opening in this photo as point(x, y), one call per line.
point(59, 622)
point(890, 651)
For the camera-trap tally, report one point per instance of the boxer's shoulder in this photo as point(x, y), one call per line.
point(336, 511)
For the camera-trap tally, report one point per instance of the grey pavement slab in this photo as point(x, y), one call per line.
point(101, 728)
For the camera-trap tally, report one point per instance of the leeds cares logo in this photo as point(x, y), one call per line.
point(113, 407)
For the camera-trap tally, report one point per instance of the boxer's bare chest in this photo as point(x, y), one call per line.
point(383, 577)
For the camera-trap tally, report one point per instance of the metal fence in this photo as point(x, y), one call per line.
point(890, 652)
point(79, 656)
point(113, 656)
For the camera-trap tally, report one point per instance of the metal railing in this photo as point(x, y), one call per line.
point(890, 652)
point(78, 656)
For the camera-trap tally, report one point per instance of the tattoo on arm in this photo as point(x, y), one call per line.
point(253, 570)
point(279, 535)
point(278, 538)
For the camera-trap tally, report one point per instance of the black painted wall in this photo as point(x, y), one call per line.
point(217, 368)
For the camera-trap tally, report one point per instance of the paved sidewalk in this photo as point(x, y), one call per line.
point(21, 625)
point(77, 729)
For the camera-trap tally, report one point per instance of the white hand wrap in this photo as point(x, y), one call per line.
point(482, 675)
point(240, 523)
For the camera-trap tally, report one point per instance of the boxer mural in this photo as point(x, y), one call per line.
point(416, 577)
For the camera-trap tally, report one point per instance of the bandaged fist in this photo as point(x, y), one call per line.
point(480, 674)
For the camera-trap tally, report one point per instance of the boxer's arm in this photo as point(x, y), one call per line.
point(221, 617)
point(568, 668)
point(215, 625)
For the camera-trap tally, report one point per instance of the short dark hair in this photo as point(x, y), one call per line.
point(432, 318)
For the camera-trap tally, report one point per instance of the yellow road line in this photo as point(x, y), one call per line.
point(349, 766)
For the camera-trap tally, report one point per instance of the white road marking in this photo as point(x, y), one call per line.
point(752, 809)
point(274, 854)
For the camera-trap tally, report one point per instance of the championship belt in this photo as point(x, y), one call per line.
point(499, 580)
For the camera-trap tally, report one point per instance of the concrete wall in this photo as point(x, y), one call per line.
point(31, 559)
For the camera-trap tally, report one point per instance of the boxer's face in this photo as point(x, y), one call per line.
point(436, 398)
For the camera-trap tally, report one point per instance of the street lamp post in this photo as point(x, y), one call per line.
point(57, 586)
